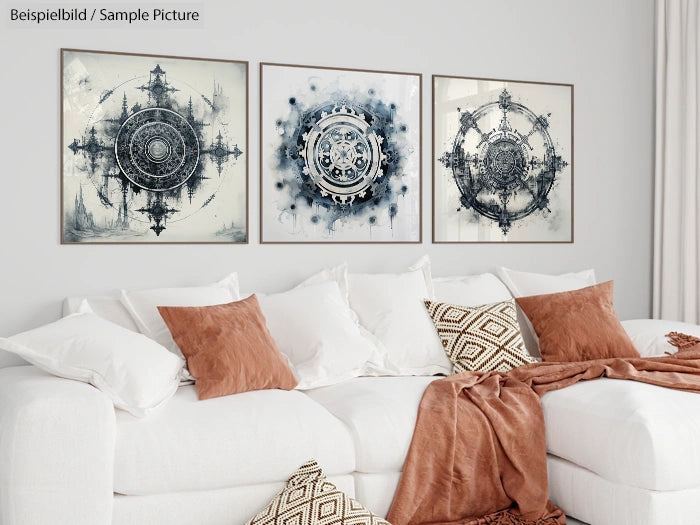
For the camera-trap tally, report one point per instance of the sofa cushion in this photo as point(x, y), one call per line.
point(483, 338)
point(649, 437)
point(242, 439)
point(105, 306)
point(470, 290)
point(228, 347)
point(579, 325)
point(319, 333)
point(391, 307)
point(523, 284)
point(8, 359)
point(136, 373)
point(380, 413)
point(143, 305)
point(232, 506)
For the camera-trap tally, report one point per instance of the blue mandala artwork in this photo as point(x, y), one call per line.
point(507, 166)
point(341, 165)
point(152, 158)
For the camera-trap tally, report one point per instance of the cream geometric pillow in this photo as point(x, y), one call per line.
point(480, 338)
point(310, 499)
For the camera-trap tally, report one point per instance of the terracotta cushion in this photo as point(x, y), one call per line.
point(228, 348)
point(578, 325)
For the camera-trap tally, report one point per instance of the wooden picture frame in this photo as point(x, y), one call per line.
point(502, 161)
point(154, 149)
point(340, 155)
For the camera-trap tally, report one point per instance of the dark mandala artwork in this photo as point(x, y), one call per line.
point(152, 158)
point(506, 166)
point(341, 158)
point(342, 166)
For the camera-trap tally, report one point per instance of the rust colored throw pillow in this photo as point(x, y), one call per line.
point(228, 348)
point(578, 325)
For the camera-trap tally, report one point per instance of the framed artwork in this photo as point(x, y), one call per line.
point(154, 149)
point(502, 161)
point(340, 155)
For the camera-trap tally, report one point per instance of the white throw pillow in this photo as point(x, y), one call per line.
point(318, 333)
point(143, 305)
point(338, 273)
point(649, 335)
point(523, 284)
point(391, 307)
point(470, 290)
point(8, 359)
point(135, 372)
point(425, 265)
point(105, 306)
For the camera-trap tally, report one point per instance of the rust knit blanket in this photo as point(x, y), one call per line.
point(478, 453)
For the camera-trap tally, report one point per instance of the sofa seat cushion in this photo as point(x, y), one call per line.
point(232, 506)
point(380, 413)
point(241, 439)
point(627, 432)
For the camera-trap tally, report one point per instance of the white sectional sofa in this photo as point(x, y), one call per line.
point(620, 452)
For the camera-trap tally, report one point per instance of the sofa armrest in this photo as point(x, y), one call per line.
point(56, 450)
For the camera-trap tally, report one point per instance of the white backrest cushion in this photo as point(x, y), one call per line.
point(143, 305)
point(470, 290)
point(338, 273)
point(135, 372)
point(8, 359)
point(522, 284)
point(391, 307)
point(109, 308)
point(318, 333)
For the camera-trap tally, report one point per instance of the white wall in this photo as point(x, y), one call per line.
point(605, 48)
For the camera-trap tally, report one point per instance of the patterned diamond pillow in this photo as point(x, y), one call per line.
point(480, 338)
point(310, 499)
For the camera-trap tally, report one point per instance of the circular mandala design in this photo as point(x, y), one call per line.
point(506, 173)
point(504, 163)
point(157, 149)
point(343, 155)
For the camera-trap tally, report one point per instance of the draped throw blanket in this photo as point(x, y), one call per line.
point(478, 454)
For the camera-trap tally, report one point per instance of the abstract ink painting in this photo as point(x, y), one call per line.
point(154, 149)
point(340, 155)
point(502, 161)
